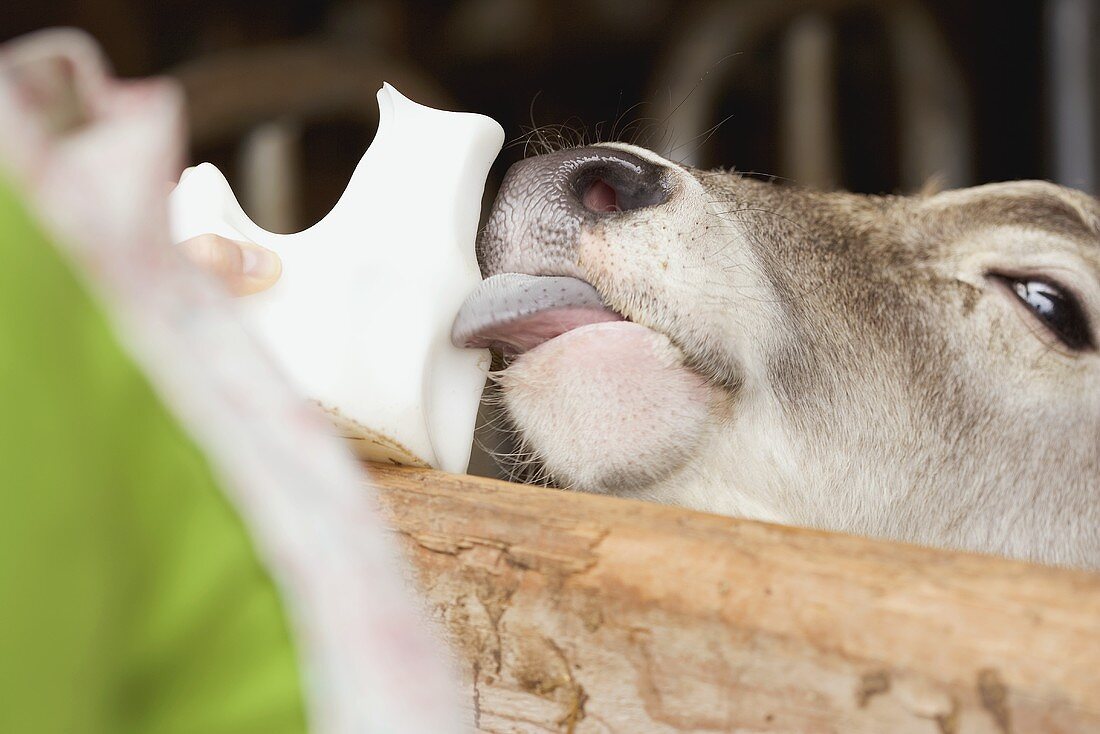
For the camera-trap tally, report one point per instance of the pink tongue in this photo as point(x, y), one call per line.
point(526, 333)
point(517, 312)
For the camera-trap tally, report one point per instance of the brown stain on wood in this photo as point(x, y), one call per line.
point(994, 698)
point(872, 684)
point(948, 723)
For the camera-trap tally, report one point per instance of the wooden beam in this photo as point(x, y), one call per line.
point(581, 613)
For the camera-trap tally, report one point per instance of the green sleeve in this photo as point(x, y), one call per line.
point(131, 598)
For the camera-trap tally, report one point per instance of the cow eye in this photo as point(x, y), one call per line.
point(1054, 307)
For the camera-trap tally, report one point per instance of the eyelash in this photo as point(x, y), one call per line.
point(1064, 317)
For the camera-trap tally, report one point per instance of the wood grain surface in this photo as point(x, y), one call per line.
point(579, 613)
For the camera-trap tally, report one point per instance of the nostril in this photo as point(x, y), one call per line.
point(600, 197)
point(606, 182)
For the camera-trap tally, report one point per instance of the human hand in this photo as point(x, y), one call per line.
point(244, 267)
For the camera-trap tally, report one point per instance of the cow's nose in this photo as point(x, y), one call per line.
point(544, 203)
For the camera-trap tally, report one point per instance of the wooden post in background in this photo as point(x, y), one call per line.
point(580, 613)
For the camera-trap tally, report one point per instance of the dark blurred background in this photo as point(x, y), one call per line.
point(871, 96)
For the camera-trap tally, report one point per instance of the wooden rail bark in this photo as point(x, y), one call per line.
point(579, 613)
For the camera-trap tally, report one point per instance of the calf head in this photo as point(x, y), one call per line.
point(922, 368)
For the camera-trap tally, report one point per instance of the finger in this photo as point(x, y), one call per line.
point(243, 266)
point(260, 268)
